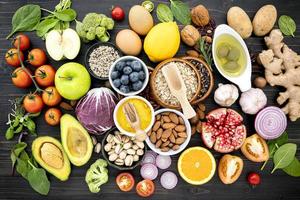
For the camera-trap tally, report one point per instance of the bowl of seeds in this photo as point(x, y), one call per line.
point(100, 57)
point(159, 87)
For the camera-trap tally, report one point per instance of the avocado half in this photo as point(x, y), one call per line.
point(76, 141)
point(49, 153)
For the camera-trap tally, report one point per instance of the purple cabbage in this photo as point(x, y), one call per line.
point(95, 110)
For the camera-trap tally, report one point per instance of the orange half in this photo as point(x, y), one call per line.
point(196, 165)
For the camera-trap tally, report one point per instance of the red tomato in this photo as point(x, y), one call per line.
point(51, 97)
point(44, 75)
point(24, 42)
point(253, 179)
point(12, 57)
point(21, 78)
point(125, 181)
point(33, 103)
point(52, 116)
point(118, 13)
point(37, 57)
point(145, 188)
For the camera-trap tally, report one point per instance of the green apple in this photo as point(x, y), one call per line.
point(72, 81)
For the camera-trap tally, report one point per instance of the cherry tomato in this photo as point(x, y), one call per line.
point(51, 97)
point(33, 103)
point(44, 75)
point(117, 13)
point(12, 57)
point(52, 116)
point(253, 179)
point(125, 181)
point(21, 78)
point(24, 42)
point(37, 57)
point(145, 188)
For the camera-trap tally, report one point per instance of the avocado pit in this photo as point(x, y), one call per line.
point(52, 155)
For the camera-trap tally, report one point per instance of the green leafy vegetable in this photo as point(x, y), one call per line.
point(25, 18)
point(38, 180)
point(181, 11)
point(205, 50)
point(63, 4)
point(293, 169)
point(16, 151)
point(164, 13)
point(46, 25)
point(284, 156)
point(67, 15)
point(287, 25)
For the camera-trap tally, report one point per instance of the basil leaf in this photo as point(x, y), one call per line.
point(25, 19)
point(287, 25)
point(293, 169)
point(9, 134)
point(44, 26)
point(63, 4)
point(164, 13)
point(30, 126)
point(16, 151)
point(181, 11)
point(67, 15)
point(275, 144)
point(284, 156)
point(38, 180)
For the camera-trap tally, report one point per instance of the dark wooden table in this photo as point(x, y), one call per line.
point(275, 186)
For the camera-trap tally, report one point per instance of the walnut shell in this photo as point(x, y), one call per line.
point(200, 15)
point(190, 35)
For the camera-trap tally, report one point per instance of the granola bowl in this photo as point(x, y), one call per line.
point(160, 90)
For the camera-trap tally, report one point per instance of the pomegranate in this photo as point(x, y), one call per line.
point(224, 130)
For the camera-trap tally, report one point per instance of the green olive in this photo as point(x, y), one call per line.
point(232, 66)
point(234, 54)
point(222, 51)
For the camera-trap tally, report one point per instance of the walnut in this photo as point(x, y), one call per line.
point(190, 35)
point(200, 15)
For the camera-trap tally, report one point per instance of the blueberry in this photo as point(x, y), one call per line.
point(127, 70)
point(124, 89)
point(128, 62)
point(137, 85)
point(115, 75)
point(142, 75)
point(134, 77)
point(125, 79)
point(136, 65)
point(117, 83)
point(120, 65)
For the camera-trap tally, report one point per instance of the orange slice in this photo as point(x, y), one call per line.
point(196, 165)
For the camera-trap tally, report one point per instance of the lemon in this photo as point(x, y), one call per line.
point(162, 42)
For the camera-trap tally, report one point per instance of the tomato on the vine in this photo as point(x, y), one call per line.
point(23, 40)
point(44, 75)
point(51, 97)
point(37, 57)
point(145, 188)
point(12, 58)
point(52, 116)
point(33, 103)
point(125, 181)
point(21, 78)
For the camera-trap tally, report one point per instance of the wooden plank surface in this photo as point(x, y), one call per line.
point(275, 186)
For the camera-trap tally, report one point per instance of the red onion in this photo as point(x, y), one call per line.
point(168, 180)
point(163, 162)
point(149, 171)
point(270, 122)
point(149, 157)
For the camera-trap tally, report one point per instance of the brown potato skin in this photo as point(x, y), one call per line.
point(264, 20)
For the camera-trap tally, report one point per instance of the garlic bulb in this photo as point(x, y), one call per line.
point(253, 101)
point(226, 94)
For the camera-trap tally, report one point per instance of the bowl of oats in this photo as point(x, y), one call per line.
point(159, 87)
point(100, 57)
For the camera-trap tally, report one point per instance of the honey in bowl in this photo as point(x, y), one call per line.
point(143, 110)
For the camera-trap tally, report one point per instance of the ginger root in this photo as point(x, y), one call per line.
point(282, 68)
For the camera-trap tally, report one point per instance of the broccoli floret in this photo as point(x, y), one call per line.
point(90, 35)
point(104, 37)
point(79, 29)
point(108, 23)
point(91, 20)
point(97, 175)
point(100, 31)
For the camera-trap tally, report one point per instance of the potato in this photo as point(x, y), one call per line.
point(238, 19)
point(264, 20)
point(140, 20)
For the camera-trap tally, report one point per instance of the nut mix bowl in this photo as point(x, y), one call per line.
point(171, 139)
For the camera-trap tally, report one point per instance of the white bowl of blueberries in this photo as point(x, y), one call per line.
point(128, 75)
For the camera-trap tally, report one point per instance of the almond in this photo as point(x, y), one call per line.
point(165, 149)
point(168, 125)
point(165, 143)
point(153, 137)
point(182, 134)
point(199, 127)
point(175, 133)
point(180, 140)
point(174, 118)
point(172, 138)
point(164, 139)
point(158, 143)
point(180, 128)
point(159, 133)
point(166, 119)
point(156, 126)
point(175, 147)
point(65, 106)
point(166, 133)
point(157, 117)
point(181, 121)
point(149, 133)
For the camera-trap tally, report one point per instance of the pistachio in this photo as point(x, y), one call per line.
point(127, 145)
point(113, 157)
point(135, 158)
point(129, 160)
point(123, 154)
point(141, 145)
point(111, 152)
point(97, 148)
point(117, 139)
point(109, 138)
point(135, 147)
point(107, 147)
point(190, 35)
point(94, 140)
point(140, 152)
point(118, 149)
point(125, 139)
point(170, 144)
point(130, 151)
point(119, 162)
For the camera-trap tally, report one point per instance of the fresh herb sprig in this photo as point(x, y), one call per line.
point(205, 50)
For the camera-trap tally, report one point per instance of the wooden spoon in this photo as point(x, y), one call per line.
point(178, 88)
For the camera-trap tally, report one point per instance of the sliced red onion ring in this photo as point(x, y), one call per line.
point(163, 162)
point(168, 180)
point(149, 157)
point(149, 171)
point(270, 122)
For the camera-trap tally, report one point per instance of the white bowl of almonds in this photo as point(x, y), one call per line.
point(170, 133)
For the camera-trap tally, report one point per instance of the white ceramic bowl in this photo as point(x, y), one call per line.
point(183, 145)
point(124, 100)
point(124, 58)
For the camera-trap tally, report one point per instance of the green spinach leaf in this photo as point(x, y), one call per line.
point(38, 180)
point(67, 15)
point(287, 25)
point(23, 166)
point(284, 156)
point(25, 18)
point(181, 11)
point(293, 169)
point(44, 26)
point(275, 144)
point(9, 134)
point(63, 4)
point(16, 151)
point(164, 13)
